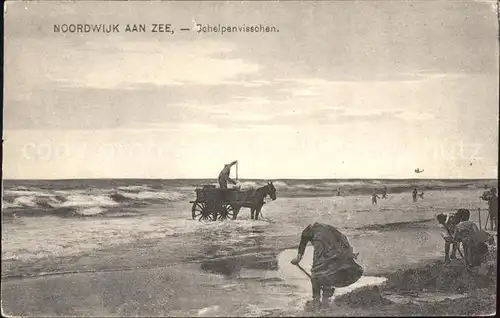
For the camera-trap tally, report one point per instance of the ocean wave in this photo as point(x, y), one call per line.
point(13, 193)
point(299, 188)
point(23, 188)
point(187, 188)
point(8, 205)
point(280, 184)
point(307, 186)
point(248, 184)
point(257, 184)
point(81, 202)
point(330, 188)
point(99, 198)
point(90, 211)
point(135, 188)
point(152, 195)
point(120, 198)
point(31, 201)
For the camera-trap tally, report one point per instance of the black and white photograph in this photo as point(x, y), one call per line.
point(250, 158)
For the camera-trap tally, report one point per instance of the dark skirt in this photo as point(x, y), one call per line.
point(338, 274)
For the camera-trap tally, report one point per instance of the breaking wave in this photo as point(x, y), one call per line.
point(31, 202)
point(97, 197)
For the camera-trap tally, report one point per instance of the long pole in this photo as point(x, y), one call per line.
point(309, 275)
point(479, 213)
point(236, 170)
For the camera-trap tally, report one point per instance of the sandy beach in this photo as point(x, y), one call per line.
point(160, 262)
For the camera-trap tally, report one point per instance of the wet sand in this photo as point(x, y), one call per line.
point(432, 289)
point(219, 286)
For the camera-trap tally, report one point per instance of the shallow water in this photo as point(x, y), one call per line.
point(423, 297)
point(21, 237)
point(294, 276)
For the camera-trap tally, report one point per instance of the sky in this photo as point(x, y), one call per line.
point(345, 89)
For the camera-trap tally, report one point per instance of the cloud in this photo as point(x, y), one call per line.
point(183, 127)
point(415, 116)
point(122, 65)
point(336, 66)
point(271, 103)
point(337, 76)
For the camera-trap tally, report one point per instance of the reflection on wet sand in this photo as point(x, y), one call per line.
point(242, 248)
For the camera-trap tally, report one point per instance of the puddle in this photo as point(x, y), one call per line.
point(291, 274)
point(208, 311)
point(285, 284)
point(424, 297)
point(229, 267)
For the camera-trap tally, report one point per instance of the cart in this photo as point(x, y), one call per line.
point(214, 203)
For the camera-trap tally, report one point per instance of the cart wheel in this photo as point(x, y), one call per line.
point(201, 212)
point(227, 212)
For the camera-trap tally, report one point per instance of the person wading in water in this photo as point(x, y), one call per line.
point(384, 193)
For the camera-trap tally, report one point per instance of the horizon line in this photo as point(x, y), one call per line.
point(254, 178)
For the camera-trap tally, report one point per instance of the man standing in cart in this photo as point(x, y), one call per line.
point(224, 175)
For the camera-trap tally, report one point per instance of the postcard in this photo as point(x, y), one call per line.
point(250, 158)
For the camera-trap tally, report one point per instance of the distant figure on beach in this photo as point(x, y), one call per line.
point(414, 195)
point(338, 192)
point(421, 195)
point(384, 193)
point(492, 199)
point(450, 222)
point(374, 198)
point(224, 175)
point(334, 262)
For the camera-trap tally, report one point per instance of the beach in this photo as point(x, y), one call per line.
point(131, 248)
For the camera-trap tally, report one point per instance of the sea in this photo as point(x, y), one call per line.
point(107, 197)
